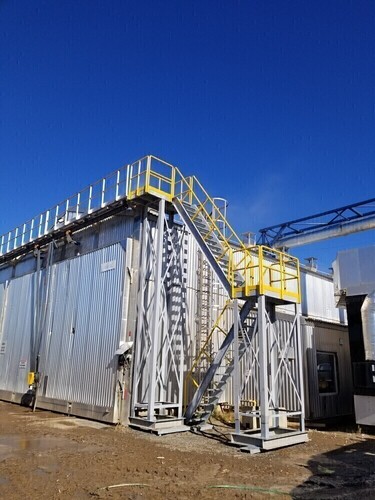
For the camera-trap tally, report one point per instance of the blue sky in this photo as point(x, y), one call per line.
point(269, 103)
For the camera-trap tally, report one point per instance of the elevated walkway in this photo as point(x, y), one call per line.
point(244, 272)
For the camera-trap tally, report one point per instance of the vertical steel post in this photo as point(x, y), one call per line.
point(89, 207)
point(154, 330)
point(46, 223)
point(236, 373)
point(272, 350)
point(117, 184)
point(136, 378)
point(102, 200)
point(9, 238)
point(23, 234)
point(66, 217)
point(298, 338)
point(56, 216)
point(129, 169)
point(78, 205)
point(263, 367)
point(40, 225)
point(32, 229)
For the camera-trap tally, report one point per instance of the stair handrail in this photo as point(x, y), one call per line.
point(193, 192)
point(189, 375)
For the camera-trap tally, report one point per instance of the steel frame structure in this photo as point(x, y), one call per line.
point(157, 388)
point(266, 360)
point(250, 274)
point(348, 218)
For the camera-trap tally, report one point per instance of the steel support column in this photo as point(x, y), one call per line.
point(263, 368)
point(270, 390)
point(154, 328)
point(158, 362)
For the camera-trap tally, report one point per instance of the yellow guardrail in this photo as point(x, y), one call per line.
point(263, 270)
point(266, 271)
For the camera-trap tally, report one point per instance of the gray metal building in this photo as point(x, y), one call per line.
point(79, 284)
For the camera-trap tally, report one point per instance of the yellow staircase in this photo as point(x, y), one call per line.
point(244, 271)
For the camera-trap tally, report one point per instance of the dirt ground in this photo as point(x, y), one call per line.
point(50, 456)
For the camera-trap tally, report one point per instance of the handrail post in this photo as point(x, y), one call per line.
point(89, 208)
point(129, 170)
point(117, 184)
point(173, 180)
point(32, 229)
point(78, 205)
point(191, 187)
point(66, 217)
point(298, 281)
point(281, 264)
point(102, 201)
point(8, 245)
point(23, 234)
point(148, 174)
point(46, 221)
point(260, 262)
point(40, 226)
point(56, 216)
point(231, 271)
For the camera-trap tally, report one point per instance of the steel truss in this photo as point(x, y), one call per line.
point(157, 384)
point(349, 218)
point(265, 376)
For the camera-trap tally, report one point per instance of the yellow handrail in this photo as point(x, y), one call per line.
point(189, 378)
point(262, 270)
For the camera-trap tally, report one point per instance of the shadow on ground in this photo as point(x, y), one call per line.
point(348, 472)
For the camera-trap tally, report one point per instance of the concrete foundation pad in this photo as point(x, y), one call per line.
point(160, 426)
point(278, 438)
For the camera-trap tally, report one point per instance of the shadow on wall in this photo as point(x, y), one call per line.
point(348, 472)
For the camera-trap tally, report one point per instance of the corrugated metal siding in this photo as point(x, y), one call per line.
point(318, 299)
point(80, 366)
point(113, 230)
point(16, 333)
point(117, 229)
point(87, 301)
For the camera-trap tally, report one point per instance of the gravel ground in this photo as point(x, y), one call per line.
point(46, 456)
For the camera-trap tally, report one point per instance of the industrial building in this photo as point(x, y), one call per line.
point(134, 301)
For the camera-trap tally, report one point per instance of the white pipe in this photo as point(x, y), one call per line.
point(341, 229)
point(368, 326)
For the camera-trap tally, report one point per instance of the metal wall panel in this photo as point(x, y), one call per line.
point(318, 299)
point(25, 266)
point(15, 335)
point(84, 328)
point(113, 230)
point(333, 339)
point(354, 271)
point(83, 320)
point(6, 273)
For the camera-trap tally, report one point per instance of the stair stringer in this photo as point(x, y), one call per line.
point(204, 385)
point(203, 245)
